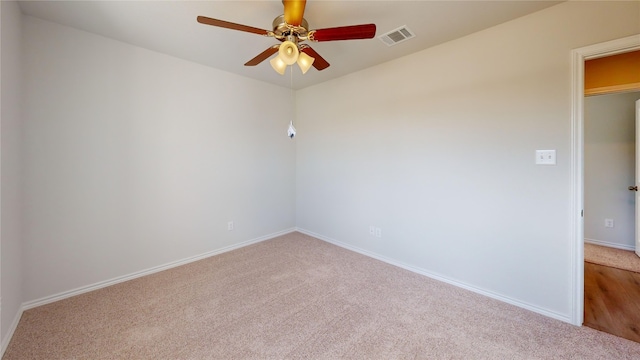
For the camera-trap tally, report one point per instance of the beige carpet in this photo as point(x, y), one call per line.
point(617, 258)
point(296, 297)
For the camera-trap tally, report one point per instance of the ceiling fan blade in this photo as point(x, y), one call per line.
point(229, 25)
point(294, 11)
point(262, 56)
point(320, 63)
point(353, 32)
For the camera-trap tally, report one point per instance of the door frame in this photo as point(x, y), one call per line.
point(637, 178)
point(578, 57)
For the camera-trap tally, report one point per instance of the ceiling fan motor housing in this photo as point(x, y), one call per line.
point(283, 31)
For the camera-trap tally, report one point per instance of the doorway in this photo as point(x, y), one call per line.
point(610, 169)
point(611, 293)
point(579, 56)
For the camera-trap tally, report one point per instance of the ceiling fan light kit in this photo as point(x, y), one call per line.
point(291, 29)
point(288, 54)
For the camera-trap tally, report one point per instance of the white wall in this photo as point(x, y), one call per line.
point(134, 159)
point(437, 150)
point(609, 147)
point(10, 179)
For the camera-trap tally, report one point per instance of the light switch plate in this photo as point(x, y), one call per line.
point(545, 157)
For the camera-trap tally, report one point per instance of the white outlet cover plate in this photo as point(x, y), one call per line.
point(545, 157)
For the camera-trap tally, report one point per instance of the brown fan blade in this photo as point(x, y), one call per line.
point(294, 11)
point(319, 63)
point(229, 25)
point(353, 32)
point(262, 56)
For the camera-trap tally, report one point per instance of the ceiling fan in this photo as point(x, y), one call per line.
point(292, 29)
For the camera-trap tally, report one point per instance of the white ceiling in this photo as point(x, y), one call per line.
point(170, 27)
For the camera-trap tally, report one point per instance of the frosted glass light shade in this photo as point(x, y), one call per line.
point(278, 65)
point(305, 61)
point(288, 52)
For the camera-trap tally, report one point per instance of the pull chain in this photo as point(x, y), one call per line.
point(292, 130)
point(293, 98)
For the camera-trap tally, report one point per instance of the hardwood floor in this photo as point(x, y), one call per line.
point(612, 300)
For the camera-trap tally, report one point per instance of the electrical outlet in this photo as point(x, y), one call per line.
point(230, 226)
point(378, 232)
point(608, 223)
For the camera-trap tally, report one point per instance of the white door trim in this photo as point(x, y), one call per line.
point(637, 179)
point(578, 56)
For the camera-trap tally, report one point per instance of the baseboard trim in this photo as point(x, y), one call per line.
point(610, 244)
point(84, 289)
point(12, 329)
point(439, 277)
